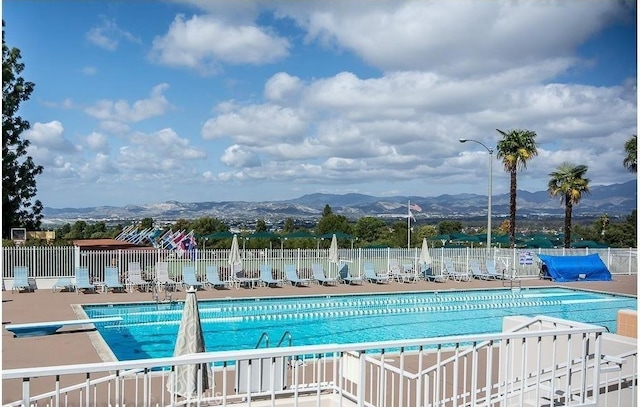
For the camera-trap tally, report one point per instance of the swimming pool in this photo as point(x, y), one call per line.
point(149, 330)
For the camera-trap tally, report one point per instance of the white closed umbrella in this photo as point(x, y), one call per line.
point(425, 257)
point(190, 381)
point(234, 253)
point(333, 250)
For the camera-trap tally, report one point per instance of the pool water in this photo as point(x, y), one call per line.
point(149, 330)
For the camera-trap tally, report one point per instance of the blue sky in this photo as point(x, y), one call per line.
point(194, 100)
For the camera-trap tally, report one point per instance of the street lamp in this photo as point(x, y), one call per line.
point(490, 150)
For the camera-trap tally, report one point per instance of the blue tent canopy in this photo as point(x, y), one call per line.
point(574, 268)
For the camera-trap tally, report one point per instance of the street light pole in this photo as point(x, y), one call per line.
point(490, 150)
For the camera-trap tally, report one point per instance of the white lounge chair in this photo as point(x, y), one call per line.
point(291, 275)
point(452, 272)
point(347, 277)
point(189, 278)
point(320, 276)
point(373, 277)
point(266, 276)
point(162, 276)
point(112, 279)
point(213, 277)
point(21, 279)
point(134, 278)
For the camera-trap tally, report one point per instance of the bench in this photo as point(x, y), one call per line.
point(48, 328)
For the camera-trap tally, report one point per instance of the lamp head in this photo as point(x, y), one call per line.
point(463, 140)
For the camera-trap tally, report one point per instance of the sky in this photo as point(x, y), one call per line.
point(142, 102)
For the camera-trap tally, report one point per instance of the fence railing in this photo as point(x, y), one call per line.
point(541, 361)
point(56, 262)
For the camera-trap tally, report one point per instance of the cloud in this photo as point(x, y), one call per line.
point(97, 142)
point(108, 35)
point(204, 43)
point(89, 70)
point(122, 112)
point(49, 136)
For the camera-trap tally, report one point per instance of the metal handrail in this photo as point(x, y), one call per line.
point(284, 335)
point(263, 336)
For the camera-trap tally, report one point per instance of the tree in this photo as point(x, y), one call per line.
point(261, 225)
point(568, 182)
point(289, 226)
point(18, 169)
point(447, 227)
point(369, 229)
point(630, 148)
point(515, 149)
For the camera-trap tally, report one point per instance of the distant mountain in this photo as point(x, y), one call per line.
point(614, 200)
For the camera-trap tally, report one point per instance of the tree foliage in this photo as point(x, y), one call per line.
point(568, 183)
point(515, 149)
point(330, 222)
point(369, 229)
point(630, 161)
point(18, 169)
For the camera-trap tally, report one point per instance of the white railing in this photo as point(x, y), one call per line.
point(55, 262)
point(542, 361)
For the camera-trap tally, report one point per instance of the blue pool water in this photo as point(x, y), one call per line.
point(149, 330)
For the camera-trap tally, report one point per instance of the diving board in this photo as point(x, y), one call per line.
point(48, 328)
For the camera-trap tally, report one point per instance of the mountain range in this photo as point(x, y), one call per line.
point(613, 200)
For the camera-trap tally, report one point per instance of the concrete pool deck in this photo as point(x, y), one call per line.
point(73, 345)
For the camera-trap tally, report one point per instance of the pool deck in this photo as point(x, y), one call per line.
point(73, 345)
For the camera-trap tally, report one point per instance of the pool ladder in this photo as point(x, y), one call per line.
point(265, 337)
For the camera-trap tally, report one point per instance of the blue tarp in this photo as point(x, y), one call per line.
point(574, 268)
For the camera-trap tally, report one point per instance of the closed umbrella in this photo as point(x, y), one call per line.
point(234, 253)
point(190, 381)
point(425, 257)
point(333, 250)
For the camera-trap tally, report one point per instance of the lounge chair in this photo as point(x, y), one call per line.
point(162, 275)
point(189, 278)
point(401, 273)
point(112, 279)
point(239, 277)
point(266, 276)
point(213, 277)
point(134, 277)
point(429, 275)
point(291, 275)
point(83, 282)
point(347, 277)
point(321, 277)
point(491, 271)
point(477, 272)
point(452, 272)
point(371, 275)
point(21, 279)
point(63, 283)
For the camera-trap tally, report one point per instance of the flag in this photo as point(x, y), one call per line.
point(415, 207)
point(413, 218)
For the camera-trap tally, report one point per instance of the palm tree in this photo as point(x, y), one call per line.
point(631, 148)
point(515, 149)
point(568, 182)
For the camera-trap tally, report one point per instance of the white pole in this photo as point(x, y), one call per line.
point(408, 225)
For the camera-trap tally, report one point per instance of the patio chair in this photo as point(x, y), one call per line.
point(347, 277)
point(213, 277)
point(266, 276)
point(371, 275)
point(239, 277)
point(477, 272)
point(400, 272)
point(21, 279)
point(291, 275)
point(429, 275)
point(63, 283)
point(321, 277)
point(83, 281)
point(134, 278)
point(452, 272)
point(162, 276)
point(112, 279)
point(492, 273)
point(189, 278)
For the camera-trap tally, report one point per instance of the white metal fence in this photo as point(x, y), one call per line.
point(535, 361)
point(56, 262)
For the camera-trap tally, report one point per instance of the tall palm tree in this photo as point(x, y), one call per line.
point(630, 148)
point(568, 182)
point(515, 149)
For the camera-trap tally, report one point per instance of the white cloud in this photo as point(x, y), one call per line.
point(97, 142)
point(121, 111)
point(89, 70)
point(204, 43)
point(237, 156)
point(282, 87)
point(49, 136)
point(108, 34)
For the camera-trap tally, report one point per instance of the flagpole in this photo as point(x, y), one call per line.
point(409, 224)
